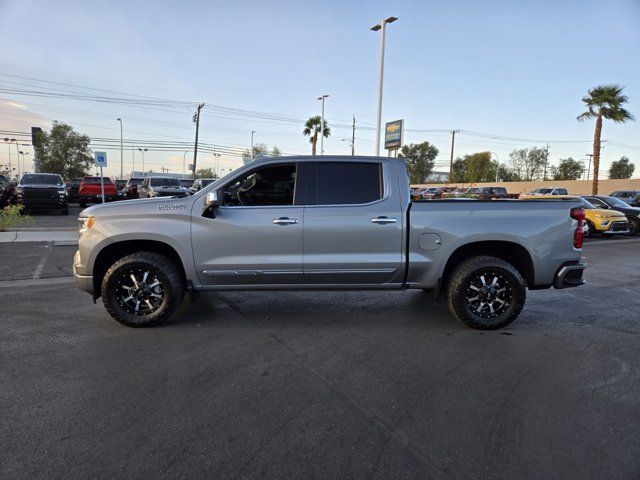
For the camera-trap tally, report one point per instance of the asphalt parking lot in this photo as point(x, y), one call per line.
point(374, 385)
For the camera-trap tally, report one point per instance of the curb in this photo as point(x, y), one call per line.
point(57, 238)
point(37, 282)
point(43, 229)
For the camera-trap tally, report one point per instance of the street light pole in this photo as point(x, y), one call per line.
point(321, 98)
point(8, 141)
point(498, 161)
point(252, 132)
point(381, 26)
point(183, 160)
point(121, 150)
point(143, 150)
point(23, 155)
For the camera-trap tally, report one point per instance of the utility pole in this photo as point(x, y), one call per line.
point(453, 141)
point(590, 155)
point(196, 120)
point(353, 137)
point(252, 133)
point(121, 150)
point(321, 98)
point(546, 163)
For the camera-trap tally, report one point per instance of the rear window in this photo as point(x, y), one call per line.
point(39, 179)
point(165, 182)
point(500, 190)
point(344, 183)
point(93, 180)
point(135, 181)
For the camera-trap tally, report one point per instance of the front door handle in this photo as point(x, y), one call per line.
point(383, 220)
point(284, 221)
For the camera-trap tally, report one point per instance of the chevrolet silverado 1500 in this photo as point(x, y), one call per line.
point(326, 223)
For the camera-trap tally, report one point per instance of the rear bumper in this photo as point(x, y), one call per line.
point(570, 274)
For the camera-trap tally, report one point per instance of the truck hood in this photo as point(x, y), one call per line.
point(139, 206)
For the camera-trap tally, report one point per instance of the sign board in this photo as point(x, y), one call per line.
point(393, 133)
point(190, 167)
point(101, 159)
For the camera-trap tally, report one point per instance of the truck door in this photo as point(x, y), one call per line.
point(353, 224)
point(256, 235)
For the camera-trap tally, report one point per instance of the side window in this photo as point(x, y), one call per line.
point(348, 183)
point(598, 203)
point(264, 186)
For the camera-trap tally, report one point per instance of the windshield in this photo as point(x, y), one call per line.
point(587, 204)
point(206, 182)
point(165, 182)
point(616, 202)
point(135, 181)
point(544, 191)
point(35, 178)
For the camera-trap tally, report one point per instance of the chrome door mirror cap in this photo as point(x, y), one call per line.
point(211, 199)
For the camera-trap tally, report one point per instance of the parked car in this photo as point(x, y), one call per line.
point(73, 186)
point(42, 192)
point(200, 183)
point(632, 197)
point(549, 191)
point(121, 186)
point(131, 188)
point(90, 191)
point(187, 182)
point(162, 187)
point(601, 221)
point(246, 232)
point(489, 193)
point(605, 202)
point(7, 192)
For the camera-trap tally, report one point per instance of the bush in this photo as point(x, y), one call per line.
point(10, 216)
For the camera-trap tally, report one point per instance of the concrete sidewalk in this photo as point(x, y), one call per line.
point(57, 237)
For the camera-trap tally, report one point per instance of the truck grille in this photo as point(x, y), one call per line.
point(39, 194)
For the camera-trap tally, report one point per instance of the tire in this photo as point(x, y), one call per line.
point(121, 295)
point(634, 226)
point(492, 279)
point(83, 203)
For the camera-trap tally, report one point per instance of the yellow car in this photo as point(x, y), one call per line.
point(598, 220)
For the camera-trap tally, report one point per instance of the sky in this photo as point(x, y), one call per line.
point(508, 74)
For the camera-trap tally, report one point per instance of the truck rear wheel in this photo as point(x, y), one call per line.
point(142, 289)
point(486, 293)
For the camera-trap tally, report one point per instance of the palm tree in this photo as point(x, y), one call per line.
point(312, 130)
point(603, 101)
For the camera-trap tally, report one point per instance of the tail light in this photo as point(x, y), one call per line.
point(578, 214)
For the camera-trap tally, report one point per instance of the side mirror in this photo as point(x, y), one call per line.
point(212, 200)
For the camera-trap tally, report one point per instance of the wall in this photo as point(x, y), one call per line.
point(575, 187)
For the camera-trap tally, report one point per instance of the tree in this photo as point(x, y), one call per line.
point(568, 169)
point(528, 163)
point(478, 167)
point(505, 174)
point(312, 130)
point(420, 159)
point(205, 173)
point(458, 171)
point(64, 151)
point(260, 150)
point(623, 168)
point(603, 101)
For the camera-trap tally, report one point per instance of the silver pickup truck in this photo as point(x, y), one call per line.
point(326, 223)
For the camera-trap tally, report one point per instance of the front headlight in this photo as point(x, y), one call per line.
point(86, 223)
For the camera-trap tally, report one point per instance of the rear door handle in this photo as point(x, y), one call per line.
point(284, 221)
point(383, 220)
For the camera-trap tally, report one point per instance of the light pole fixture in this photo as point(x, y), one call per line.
point(321, 98)
point(121, 150)
point(381, 26)
point(143, 150)
point(215, 159)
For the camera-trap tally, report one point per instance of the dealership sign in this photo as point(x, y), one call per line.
point(393, 132)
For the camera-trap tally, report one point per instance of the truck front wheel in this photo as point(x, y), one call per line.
point(486, 293)
point(142, 289)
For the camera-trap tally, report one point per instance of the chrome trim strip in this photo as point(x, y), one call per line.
point(250, 272)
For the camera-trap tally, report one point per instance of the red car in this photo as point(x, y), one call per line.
point(90, 191)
